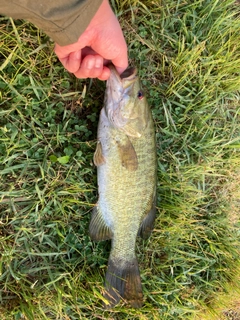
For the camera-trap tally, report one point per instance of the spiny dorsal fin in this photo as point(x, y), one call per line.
point(127, 154)
point(98, 229)
point(98, 157)
point(148, 221)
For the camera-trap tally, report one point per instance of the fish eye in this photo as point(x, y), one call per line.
point(140, 95)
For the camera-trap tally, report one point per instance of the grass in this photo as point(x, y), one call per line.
point(188, 56)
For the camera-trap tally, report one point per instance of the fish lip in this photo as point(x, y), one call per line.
point(124, 80)
point(129, 73)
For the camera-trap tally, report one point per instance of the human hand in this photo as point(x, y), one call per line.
point(100, 43)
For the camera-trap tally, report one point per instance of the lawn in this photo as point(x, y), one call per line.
point(188, 57)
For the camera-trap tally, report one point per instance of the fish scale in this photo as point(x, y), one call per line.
point(126, 165)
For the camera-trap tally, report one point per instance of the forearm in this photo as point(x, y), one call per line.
point(63, 20)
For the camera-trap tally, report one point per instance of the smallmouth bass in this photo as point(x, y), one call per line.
point(125, 157)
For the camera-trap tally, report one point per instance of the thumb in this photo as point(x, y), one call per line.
point(121, 64)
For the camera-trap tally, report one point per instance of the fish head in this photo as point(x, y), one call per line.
point(125, 104)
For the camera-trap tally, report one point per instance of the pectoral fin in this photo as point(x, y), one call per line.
point(148, 222)
point(98, 229)
point(127, 154)
point(98, 157)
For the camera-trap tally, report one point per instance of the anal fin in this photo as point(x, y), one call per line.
point(98, 229)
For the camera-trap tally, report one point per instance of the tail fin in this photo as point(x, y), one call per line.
point(123, 281)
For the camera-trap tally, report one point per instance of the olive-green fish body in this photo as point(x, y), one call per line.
point(126, 163)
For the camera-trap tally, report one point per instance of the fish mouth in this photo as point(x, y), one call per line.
point(118, 94)
point(130, 72)
point(124, 80)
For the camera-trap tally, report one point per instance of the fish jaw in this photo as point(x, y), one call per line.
point(124, 80)
point(118, 87)
point(120, 96)
point(125, 105)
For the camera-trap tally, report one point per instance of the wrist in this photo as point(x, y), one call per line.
point(103, 14)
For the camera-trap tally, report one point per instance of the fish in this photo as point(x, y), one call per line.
point(125, 157)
